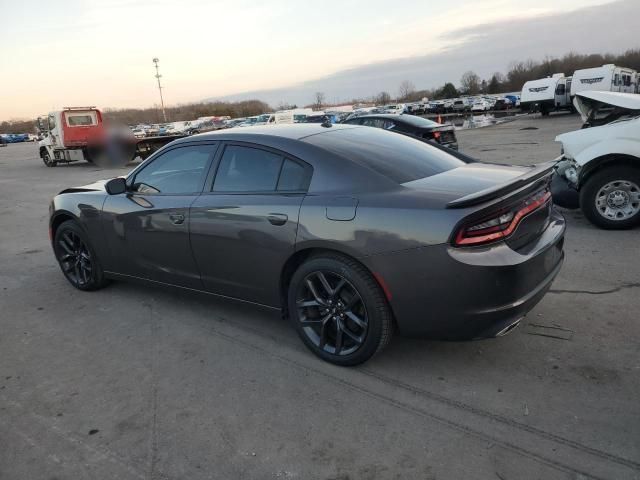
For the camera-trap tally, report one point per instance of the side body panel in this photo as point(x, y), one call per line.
point(148, 237)
point(241, 242)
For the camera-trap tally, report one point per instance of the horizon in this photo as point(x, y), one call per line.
point(205, 57)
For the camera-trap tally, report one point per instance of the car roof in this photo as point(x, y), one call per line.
point(390, 116)
point(296, 131)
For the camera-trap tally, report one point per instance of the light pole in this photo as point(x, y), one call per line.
point(156, 60)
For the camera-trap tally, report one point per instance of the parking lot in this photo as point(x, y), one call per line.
point(139, 382)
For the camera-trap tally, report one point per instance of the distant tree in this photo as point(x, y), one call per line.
point(470, 83)
point(286, 106)
point(319, 96)
point(483, 86)
point(383, 98)
point(494, 83)
point(406, 90)
point(448, 90)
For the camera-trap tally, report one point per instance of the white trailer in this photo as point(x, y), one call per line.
point(607, 78)
point(547, 94)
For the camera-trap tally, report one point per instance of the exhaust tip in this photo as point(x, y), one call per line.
point(509, 328)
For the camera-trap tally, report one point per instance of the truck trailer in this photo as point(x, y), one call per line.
point(547, 94)
point(79, 134)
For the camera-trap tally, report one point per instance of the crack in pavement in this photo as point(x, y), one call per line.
point(600, 292)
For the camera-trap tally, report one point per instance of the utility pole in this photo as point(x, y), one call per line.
point(164, 115)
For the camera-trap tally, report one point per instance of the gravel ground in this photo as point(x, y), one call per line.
point(139, 382)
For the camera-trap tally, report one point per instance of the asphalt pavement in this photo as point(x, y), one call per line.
point(136, 382)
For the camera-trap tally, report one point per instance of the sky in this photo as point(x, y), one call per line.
point(99, 52)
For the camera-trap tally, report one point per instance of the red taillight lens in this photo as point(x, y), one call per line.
point(499, 227)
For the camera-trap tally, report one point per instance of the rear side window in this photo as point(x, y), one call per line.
point(293, 177)
point(247, 169)
point(398, 157)
point(244, 169)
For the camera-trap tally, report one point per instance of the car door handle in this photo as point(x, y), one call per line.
point(277, 218)
point(176, 218)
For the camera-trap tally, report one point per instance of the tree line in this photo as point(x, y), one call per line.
point(134, 116)
point(470, 83)
point(517, 74)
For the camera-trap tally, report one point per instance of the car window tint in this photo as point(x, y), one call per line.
point(181, 170)
point(294, 177)
point(398, 157)
point(245, 169)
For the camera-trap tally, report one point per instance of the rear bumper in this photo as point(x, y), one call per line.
point(450, 293)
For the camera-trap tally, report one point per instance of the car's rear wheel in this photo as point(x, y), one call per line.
point(339, 310)
point(610, 198)
point(77, 258)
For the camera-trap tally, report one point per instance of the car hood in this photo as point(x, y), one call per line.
point(615, 138)
point(98, 186)
point(467, 179)
point(585, 102)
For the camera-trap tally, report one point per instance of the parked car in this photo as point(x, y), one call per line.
point(479, 105)
point(394, 109)
point(349, 230)
point(601, 161)
point(410, 125)
point(460, 106)
point(322, 117)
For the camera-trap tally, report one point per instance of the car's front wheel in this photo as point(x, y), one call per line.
point(339, 310)
point(46, 158)
point(77, 258)
point(610, 198)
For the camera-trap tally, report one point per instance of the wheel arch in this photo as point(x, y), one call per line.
point(609, 160)
point(58, 219)
point(43, 150)
point(301, 255)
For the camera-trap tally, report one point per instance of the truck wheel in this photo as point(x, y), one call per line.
point(47, 160)
point(610, 198)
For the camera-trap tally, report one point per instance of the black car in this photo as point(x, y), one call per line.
point(351, 231)
point(410, 125)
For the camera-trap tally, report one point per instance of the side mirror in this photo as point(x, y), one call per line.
point(116, 186)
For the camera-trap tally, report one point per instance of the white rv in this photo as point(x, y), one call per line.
point(547, 94)
point(607, 78)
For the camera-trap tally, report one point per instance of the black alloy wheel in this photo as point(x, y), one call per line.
point(339, 310)
point(332, 313)
point(77, 259)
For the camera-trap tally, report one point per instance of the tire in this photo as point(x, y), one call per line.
point(364, 324)
point(77, 258)
point(47, 159)
point(610, 198)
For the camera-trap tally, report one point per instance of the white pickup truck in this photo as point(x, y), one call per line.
point(602, 160)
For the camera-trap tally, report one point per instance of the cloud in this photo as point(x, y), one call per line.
point(483, 48)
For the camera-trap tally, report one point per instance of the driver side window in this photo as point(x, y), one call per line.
point(178, 171)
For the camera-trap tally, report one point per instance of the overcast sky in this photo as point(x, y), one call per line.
point(82, 52)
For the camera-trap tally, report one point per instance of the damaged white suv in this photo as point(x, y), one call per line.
point(602, 160)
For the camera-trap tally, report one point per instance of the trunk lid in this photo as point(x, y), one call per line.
point(498, 202)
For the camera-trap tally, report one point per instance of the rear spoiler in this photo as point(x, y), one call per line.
point(538, 172)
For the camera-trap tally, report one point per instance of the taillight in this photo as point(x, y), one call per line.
point(500, 226)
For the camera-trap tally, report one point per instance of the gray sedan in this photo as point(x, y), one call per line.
point(352, 232)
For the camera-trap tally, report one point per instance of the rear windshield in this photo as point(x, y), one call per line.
point(398, 157)
point(80, 119)
point(418, 121)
